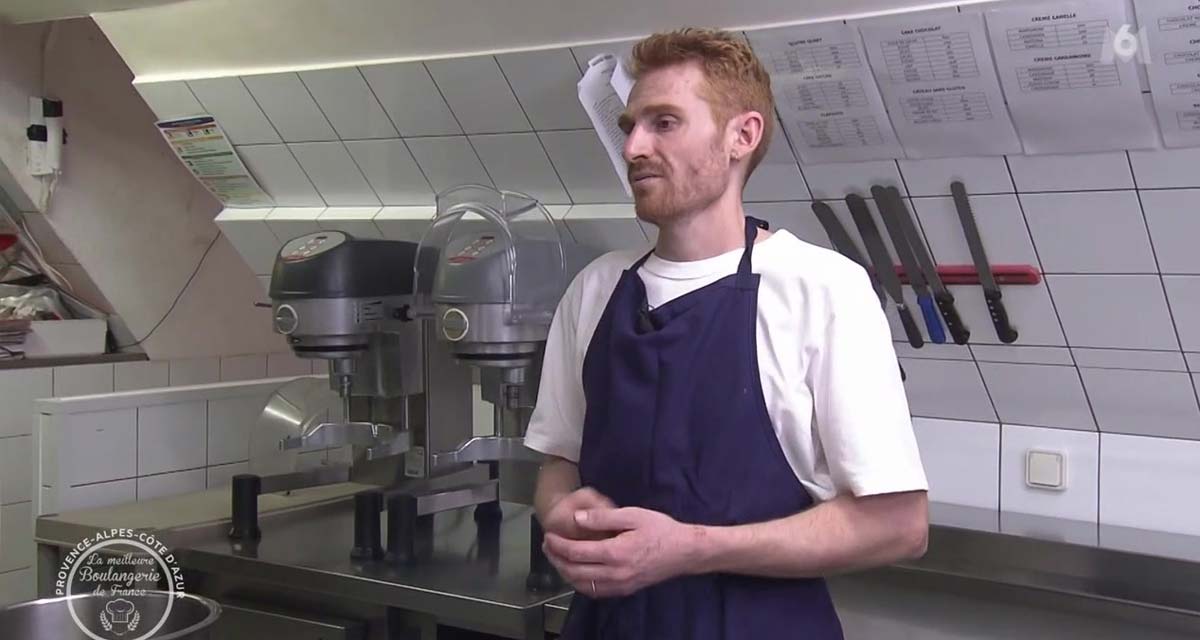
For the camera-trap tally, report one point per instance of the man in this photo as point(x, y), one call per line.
point(723, 417)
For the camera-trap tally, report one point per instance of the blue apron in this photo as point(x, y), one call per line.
point(676, 422)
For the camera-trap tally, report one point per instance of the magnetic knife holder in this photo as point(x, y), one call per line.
point(1009, 274)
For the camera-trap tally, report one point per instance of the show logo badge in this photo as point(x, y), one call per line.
point(125, 573)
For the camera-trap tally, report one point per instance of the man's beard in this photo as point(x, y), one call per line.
point(674, 196)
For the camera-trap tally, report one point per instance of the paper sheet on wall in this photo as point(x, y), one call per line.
point(203, 148)
point(1171, 30)
point(826, 97)
point(936, 75)
point(603, 91)
point(1066, 88)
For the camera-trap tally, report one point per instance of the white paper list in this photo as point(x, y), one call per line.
point(1172, 36)
point(828, 102)
point(1065, 94)
point(603, 92)
point(936, 76)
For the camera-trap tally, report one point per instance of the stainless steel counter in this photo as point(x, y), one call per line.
point(476, 580)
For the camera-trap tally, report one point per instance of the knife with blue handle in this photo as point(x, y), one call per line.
point(891, 220)
point(884, 269)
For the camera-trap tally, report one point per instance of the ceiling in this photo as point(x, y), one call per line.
point(18, 11)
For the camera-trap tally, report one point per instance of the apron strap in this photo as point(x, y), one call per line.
point(745, 276)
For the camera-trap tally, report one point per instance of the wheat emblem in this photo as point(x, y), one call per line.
point(104, 622)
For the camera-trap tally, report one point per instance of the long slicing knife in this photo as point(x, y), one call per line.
point(991, 290)
point(884, 269)
point(945, 300)
point(843, 243)
point(890, 215)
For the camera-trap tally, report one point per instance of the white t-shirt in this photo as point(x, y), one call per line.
point(829, 372)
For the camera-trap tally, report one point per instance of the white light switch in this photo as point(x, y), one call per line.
point(1044, 470)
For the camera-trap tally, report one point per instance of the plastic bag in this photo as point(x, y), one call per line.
point(30, 303)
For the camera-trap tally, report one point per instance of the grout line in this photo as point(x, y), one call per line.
point(534, 132)
point(260, 110)
point(1161, 282)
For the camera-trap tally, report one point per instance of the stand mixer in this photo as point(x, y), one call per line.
point(405, 327)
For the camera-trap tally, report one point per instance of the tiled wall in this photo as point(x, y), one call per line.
point(20, 388)
point(1109, 340)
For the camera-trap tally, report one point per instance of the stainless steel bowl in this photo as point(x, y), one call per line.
point(50, 618)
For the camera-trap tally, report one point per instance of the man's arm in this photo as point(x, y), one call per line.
point(648, 547)
point(557, 478)
point(843, 534)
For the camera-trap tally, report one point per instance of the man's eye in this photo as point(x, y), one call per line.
point(664, 124)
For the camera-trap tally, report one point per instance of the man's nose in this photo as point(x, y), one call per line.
point(637, 145)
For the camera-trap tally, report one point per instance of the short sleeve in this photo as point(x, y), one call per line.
point(861, 412)
point(556, 426)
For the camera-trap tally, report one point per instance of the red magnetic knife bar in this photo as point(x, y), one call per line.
point(966, 274)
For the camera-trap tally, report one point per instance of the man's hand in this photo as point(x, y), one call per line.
point(560, 519)
point(641, 548)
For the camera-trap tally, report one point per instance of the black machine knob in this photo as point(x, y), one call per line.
point(410, 535)
point(367, 505)
point(244, 507)
point(543, 577)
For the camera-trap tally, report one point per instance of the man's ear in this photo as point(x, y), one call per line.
point(745, 132)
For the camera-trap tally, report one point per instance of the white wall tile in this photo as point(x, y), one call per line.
point(1173, 221)
point(292, 222)
point(356, 221)
point(83, 380)
point(281, 365)
point(777, 177)
point(347, 101)
point(1094, 232)
point(544, 82)
point(169, 99)
point(404, 223)
point(92, 496)
point(1153, 403)
point(946, 389)
point(247, 231)
point(1183, 293)
point(191, 371)
point(932, 177)
point(171, 437)
point(17, 586)
point(1166, 168)
point(132, 376)
point(1149, 483)
point(221, 475)
point(931, 351)
point(240, 117)
point(391, 171)
point(517, 162)
point(170, 484)
point(1030, 311)
point(583, 165)
point(1129, 359)
point(478, 94)
point(278, 173)
point(1081, 455)
point(1021, 354)
point(411, 99)
point(1123, 312)
point(333, 172)
point(16, 469)
point(796, 217)
point(248, 367)
point(1074, 172)
point(229, 423)
point(448, 162)
point(606, 227)
point(18, 389)
point(1038, 395)
point(961, 460)
point(290, 107)
point(16, 529)
point(1001, 226)
point(264, 283)
point(95, 446)
point(835, 181)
